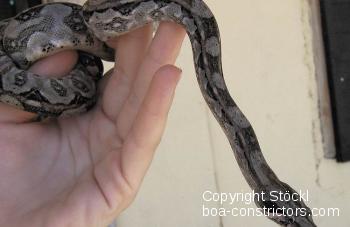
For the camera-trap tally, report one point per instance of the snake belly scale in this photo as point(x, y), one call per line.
point(49, 28)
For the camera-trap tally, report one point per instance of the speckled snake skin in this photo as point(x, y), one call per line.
point(47, 29)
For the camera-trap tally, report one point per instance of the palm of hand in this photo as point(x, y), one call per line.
point(84, 170)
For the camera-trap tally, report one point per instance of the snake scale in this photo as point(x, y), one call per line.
point(49, 28)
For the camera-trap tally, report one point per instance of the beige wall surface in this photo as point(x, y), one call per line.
point(270, 67)
point(274, 68)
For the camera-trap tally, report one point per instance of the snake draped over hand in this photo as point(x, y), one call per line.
point(46, 29)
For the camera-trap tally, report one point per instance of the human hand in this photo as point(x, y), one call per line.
point(84, 170)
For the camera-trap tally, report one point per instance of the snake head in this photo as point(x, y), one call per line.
point(285, 206)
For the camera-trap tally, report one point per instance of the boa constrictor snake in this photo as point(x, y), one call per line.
point(47, 29)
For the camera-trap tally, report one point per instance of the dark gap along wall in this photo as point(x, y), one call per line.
point(336, 30)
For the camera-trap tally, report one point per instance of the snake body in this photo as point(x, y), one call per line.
point(49, 28)
point(40, 32)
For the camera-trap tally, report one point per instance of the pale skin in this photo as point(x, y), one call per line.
point(85, 170)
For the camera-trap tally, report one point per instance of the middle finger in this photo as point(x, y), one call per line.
point(130, 50)
point(163, 50)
